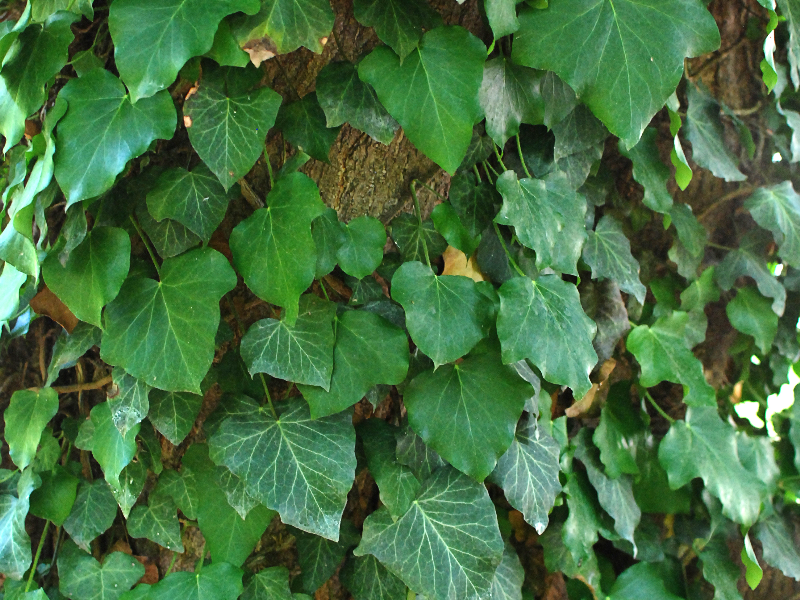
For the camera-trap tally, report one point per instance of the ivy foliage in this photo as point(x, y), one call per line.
point(400, 404)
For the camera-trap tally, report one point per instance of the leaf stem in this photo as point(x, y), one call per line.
point(522, 158)
point(430, 189)
point(199, 566)
point(143, 237)
point(720, 246)
point(487, 166)
point(171, 563)
point(38, 554)
point(508, 254)
point(499, 157)
point(660, 410)
point(419, 218)
point(324, 291)
point(269, 167)
point(269, 398)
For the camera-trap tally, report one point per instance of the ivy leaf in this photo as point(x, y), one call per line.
point(719, 570)
point(102, 131)
point(543, 321)
point(369, 351)
point(15, 545)
point(777, 541)
point(705, 446)
point(602, 302)
point(748, 260)
point(661, 350)
point(162, 332)
point(700, 292)
point(346, 99)
point(642, 580)
point(229, 123)
point(362, 250)
point(608, 253)
point(55, 498)
point(69, 347)
point(433, 93)
point(92, 514)
point(413, 238)
point(502, 16)
point(398, 23)
point(630, 58)
point(218, 581)
point(302, 468)
point(447, 545)
point(271, 583)
point(82, 577)
point(38, 54)
point(396, 482)
point(367, 579)
point(273, 248)
point(130, 405)
point(302, 353)
point(328, 234)
point(109, 447)
point(448, 223)
point(157, 521)
point(618, 435)
point(290, 24)
point(510, 94)
point(169, 237)
point(548, 217)
point(304, 125)
point(131, 484)
point(174, 413)
point(528, 473)
point(706, 133)
point(473, 202)
point(415, 454)
point(508, 579)
point(777, 208)
point(194, 199)
point(448, 409)
point(235, 492)
point(649, 171)
point(446, 315)
point(750, 313)
point(319, 558)
point(182, 488)
point(25, 419)
point(584, 520)
point(139, 29)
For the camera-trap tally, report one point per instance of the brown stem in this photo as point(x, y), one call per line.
point(82, 387)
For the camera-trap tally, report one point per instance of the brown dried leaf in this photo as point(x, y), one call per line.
point(47, 303)
point(456, 263)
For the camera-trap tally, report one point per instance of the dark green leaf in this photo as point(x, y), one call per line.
point(55, 498)
point(108, 446)
point(235, 492)
point(508, 579)
point(719, 570)
point(362, 250)
point(414, 453)
point(70, 347)
point(169, 237)
point(642, 580)
point(157, 521)
point(162, 332)
point(559, 99)
point(269, 584)
point(289, 24)
point(413, 238)
point(548, 217)
point(15, 545)
point(368, 579)
point(174, 413)
point(748, 260)
point(319, 558)
point(433, 93)
point(585, 520)
point(218, 581)
point(528, 473)
point(543, 321)
point(619, 433)
point(81, 577)
point(447, 545)
point(302, 353)
point(778, 542)
point(750, 313)
point(446, 315)
point(448, 223)
point(346, 99)
point(510, 95)
point(304, 125)
point(130, 404)
point(608, 253)
point(579, 141)
point(649, 171)
point(102, 131)
point(25, 418)
point(602, 302)
point(328, 234)
point(629, 58)
point(302, 468)
point(182, 488)
point(131, 484)
point(229, 123)
point(502, 16)
point(473, 202)
point(700, 292)
point(398, 23)
point(92, 514)
point(777, 208)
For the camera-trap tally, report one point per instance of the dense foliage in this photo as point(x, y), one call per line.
point(219, 326)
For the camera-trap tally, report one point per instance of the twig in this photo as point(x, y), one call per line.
point(738, 193)
point(248, 192)
point(83, 387)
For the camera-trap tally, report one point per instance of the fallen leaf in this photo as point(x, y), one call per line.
point(260, 49)
point(47, 303)
point(456, 263)
point(596, 396)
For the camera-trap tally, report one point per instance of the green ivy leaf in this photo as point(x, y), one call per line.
point(218, 581)
point(194, 199)
point(131, 484)
point(777, 208)
point(319, 558)
point(273, 248)
point(15, 545)
point(510, 94)
point(413, 238)
point(502, 16)
point(508, 579)
point(548, 217)
point(750, 313)
point(346, 99)
point(619, 433)
point(157, 521)
point(473, 202)
point(38, 54)
point(235, 492)
point(777, 541)
point(92, 514)
point(302, 468)
point(447, 545)
point(368, 579)
point(706, 133)
point(608, 253)
point(42, 9)
point(719, 570)
point(81, 577)
point(415, 454)
point(700, 292)
point(446, 315)
point(109, 447)
point(664, 355)
point(174, 413)
point(369, 351)
point(630, 58)
point(362, 250)
point(584, 521)
point(169, 237)
point(328, 234)
point(543, 321)
point(102, 131)
point(229, 122)
point(56, 497)
point(433, 93)
point(705, 446)
point(304, 125)
point(448, 223)
point(130, 405)
point(302, 353)
point(528, 473)
point(69, 347)
point(642, 580)
point(448, 409)
point(182, 488)
point(139, 29)
point(271, 583)
point(649, 171)
point(398, 23)
point(289, 24)
point(172, 344)
point(25, 419)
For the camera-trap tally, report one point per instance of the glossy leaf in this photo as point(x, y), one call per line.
point(448, 223)
point(642, 580)
point(473, 202)
point(157, 521)
point(414, 238)
point(608, 253)
point(130, 404)
point(750, 313)
point(92, 514)
point(649, 171)
point(619, 433)
point(777, 208)
point(218, 581)
point(56, 496)
point(290, 24)
point(271, 583)
point(235, 492)
point(70, 347)
point(15, 545)
point(719, 570)
point(25, 419)
point(319, 558)
point(508, 579)
point(328, 234)
point(510, 94)
point(108, 446)
point(82, 577)
point(777, 541)
point(304, 125)
point(174, 413)
point(362, 250)
point(398, 23)
point(368, 579)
